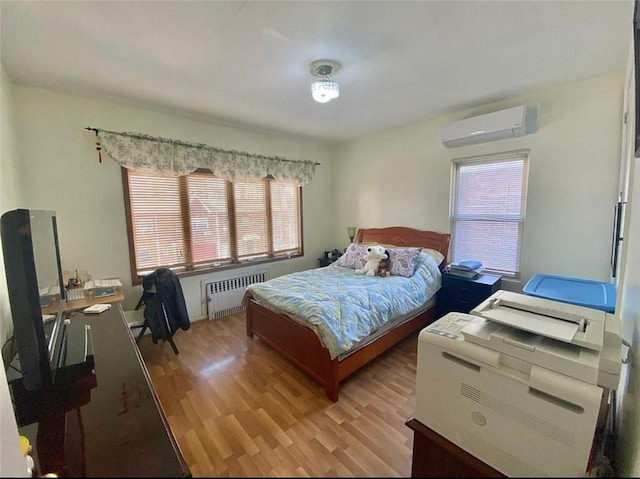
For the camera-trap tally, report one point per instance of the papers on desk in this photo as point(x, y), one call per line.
point(50, 290)
point(102, 283)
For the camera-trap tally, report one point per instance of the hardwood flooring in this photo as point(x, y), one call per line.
point(238, 409)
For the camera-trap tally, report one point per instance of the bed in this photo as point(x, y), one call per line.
point(269, 318)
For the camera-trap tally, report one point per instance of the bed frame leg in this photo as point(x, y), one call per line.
point(331, 391)
point(249, 320)
point(332, 385)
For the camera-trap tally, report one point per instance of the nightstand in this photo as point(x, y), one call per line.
point(462, 294)
point(330, 256)
point(326, 262)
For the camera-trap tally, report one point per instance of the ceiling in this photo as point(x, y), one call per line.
point(246, 63)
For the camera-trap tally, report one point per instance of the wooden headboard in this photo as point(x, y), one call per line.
point(403, 236)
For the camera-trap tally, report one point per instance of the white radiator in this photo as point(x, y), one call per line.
point(224, 296)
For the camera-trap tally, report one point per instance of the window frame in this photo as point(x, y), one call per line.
point(491, 158)
point(188, 268)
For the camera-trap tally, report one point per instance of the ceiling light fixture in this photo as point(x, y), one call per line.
point(324, 89)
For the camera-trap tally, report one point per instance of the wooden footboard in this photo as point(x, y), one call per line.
point(302, 347)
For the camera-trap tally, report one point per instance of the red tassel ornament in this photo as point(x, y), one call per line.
point(98, 148)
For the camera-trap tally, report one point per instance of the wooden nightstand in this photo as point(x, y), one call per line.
point(462, 294)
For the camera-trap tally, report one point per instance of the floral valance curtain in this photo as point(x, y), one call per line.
point(174, 158)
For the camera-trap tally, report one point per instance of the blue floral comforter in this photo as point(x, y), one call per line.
point(343, 307)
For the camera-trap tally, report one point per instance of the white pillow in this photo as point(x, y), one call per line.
point(437, 255)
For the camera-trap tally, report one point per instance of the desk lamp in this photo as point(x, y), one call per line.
point(351, 231)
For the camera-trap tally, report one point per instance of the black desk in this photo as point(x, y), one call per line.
point(109, 424)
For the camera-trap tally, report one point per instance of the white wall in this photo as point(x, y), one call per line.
point(9, 194)
point(628, 440)
point(12, 462)
point(402, 177)
point(60, 171)
point(628, 394)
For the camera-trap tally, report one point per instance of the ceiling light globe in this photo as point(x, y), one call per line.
point(324, 90)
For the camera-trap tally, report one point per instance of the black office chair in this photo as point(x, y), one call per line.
point(165, 310)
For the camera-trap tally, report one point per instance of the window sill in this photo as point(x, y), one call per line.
point(225, 267)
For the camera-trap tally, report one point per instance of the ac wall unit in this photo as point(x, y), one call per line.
point(498, 125)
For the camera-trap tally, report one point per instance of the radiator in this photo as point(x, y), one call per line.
point(224, 296)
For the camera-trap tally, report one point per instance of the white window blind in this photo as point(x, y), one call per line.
point(488, 210)
point(251, 218)
point(209, 218)
point(199, 221)
point(156, 219)
point(285, 209)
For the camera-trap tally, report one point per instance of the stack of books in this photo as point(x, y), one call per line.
point(464, 269)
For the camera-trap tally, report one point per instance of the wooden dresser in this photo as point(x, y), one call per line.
point(435, 456)
point(107, 424)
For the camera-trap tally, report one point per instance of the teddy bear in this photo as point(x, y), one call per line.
point(374, 255)
point(383, 269)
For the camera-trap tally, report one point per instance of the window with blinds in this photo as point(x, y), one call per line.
point(199, 221)
point(487, 210)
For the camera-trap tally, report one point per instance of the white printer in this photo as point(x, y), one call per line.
point(519, 383)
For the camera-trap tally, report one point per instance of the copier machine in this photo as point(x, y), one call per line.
point(520, 382)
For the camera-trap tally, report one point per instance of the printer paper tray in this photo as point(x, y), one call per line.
point(534, 323)
point(564, 322)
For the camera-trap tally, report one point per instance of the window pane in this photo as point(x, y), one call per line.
point(157, 221)
point(490, 189)
point(209, 212)
point(284, 216)
point(196, 220)
point(495, 244)
point(251, 218)
point(488, 211)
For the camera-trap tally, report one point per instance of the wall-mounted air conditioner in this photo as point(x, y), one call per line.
point(498, 125)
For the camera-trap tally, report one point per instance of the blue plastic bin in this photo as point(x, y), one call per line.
point(581, 292)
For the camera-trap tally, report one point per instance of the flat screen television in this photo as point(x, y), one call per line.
point(36, 293)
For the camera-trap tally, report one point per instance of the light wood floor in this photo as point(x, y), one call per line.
point(239, 409)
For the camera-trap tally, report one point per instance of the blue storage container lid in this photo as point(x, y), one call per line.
point(581, 292)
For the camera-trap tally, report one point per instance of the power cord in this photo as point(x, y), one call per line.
point(8, 357)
